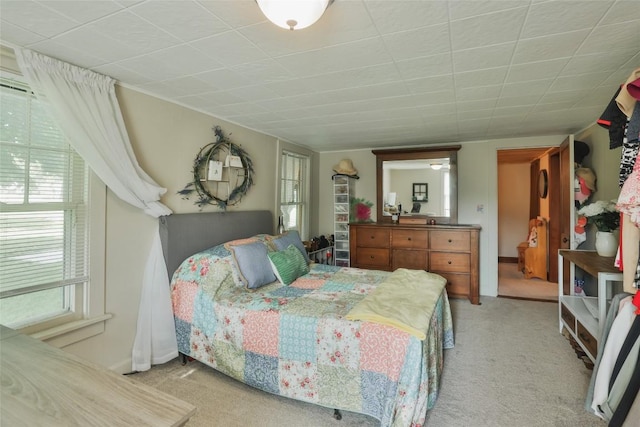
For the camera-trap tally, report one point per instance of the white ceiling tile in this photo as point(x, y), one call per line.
point(87, 39)
point(615, 37)
point(337, 58)
point(392, 17)
point(186, 59)
point(153, 68)
point(224, 79)
point(546, 18)
point(536, 70)
point(526, 88)
point(622, 11)
point(481, 58)
point(81, 58)
point(581, 64)
point(133, 31)
point(236, 13)
point(369, 73)
point(484, 30)
point(478, 92)
point(185, 20)
point(425, 41)
point(549, 47)
point(243, 50)
point(83, 11)
point(263, 72)
point(491, 76)
point(122, 74)
point(430, 84)
point(466, 9)
point(35, 17)
point(434, 65)
point(578, 82)
point(18, 35)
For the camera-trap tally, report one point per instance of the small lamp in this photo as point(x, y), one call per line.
point(293, 14)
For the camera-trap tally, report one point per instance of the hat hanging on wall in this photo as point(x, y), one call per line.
point(345, 167)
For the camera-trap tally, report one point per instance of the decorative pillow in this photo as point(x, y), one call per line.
point(288, 264)
point(252, 263)
point(290, 237)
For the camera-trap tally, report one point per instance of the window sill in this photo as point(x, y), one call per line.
point(72, 332)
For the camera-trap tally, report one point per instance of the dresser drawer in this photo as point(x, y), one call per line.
point(568, 317)
point(413, 239)
point(406, 258)
point(587, 339)
point(449, 262)
point(372, 238)
point(373, 257)
point(457, 284)
point(446, 240)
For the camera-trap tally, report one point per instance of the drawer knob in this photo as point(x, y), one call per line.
point(371, 256)
point(449, 262)
point(449, 240)
point(409, 238)
point(372, 237)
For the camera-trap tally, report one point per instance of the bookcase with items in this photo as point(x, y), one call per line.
point(343, 191)
point(584, 316)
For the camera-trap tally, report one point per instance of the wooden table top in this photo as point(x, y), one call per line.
point(44, 386)
point(590, 261)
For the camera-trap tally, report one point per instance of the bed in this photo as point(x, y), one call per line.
point(297, 340)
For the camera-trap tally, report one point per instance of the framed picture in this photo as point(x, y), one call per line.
point(215, 171)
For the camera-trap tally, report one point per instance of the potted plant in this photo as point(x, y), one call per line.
point(606, 218)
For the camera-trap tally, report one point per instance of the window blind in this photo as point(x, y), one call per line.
point(43, 199)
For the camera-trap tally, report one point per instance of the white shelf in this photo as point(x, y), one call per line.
point(575, 304)
point(343, 191)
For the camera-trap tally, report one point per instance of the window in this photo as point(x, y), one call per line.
point(44, 217)
point(293, 191)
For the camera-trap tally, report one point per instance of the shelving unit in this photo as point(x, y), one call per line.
point(573, 313)
point(343, 191)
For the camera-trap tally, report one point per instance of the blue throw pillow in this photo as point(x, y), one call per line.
point(253, 264)
point(290, 237)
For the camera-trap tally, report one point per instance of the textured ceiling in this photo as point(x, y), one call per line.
point(368, 74)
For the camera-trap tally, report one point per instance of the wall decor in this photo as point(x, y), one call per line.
point(222, 173)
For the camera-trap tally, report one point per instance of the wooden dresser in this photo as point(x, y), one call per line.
point(449, 250)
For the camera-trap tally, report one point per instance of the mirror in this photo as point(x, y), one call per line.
point(421, 182)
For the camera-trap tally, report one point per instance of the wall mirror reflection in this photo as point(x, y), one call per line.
point(419, 182)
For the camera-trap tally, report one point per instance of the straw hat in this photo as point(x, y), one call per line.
point(345, 167)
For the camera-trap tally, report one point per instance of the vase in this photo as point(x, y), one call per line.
point(606, 243)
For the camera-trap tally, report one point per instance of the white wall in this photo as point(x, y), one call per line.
point(165, 138)
point(513, 208)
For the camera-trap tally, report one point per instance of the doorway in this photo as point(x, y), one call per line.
point(523, 195)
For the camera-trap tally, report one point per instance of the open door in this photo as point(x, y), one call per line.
point(566, 208)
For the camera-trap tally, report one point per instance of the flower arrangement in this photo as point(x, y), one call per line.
point(602, 214)
point(360, 210)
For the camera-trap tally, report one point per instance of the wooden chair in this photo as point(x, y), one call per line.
point(533, 254)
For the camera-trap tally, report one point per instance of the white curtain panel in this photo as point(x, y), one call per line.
point(85, 106)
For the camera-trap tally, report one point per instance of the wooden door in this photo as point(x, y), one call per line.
point(555, 213)
point(566, 168)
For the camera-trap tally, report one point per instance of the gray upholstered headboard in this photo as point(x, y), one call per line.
point(183, 235)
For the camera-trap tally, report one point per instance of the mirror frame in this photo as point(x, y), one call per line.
point(450, 152)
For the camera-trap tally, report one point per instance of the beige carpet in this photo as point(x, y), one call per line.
point(510, 368)
point(511, 283)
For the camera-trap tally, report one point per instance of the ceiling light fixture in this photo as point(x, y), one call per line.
point(436, 166)
point(293, 14)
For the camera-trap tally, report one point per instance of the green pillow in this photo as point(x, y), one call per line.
point(288, 264)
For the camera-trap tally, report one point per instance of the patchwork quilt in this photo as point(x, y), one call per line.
point(294, 340)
